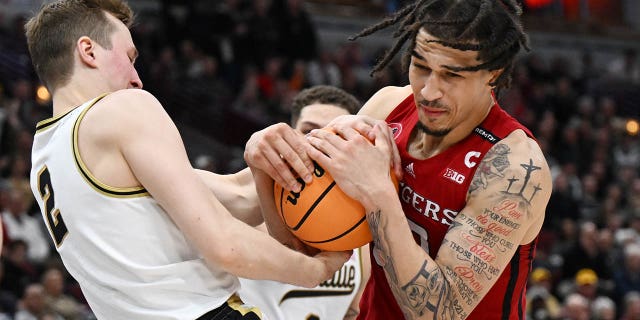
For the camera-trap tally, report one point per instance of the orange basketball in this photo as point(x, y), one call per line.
point(322, 215)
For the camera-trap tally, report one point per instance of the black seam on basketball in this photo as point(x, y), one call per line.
point(281, 207)
point(315, 204)
point(341, 235)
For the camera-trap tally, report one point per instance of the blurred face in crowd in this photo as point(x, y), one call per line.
point(53, 282)
point(34, 298)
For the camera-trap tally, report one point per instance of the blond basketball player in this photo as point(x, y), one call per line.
point(338, 297)
point(133, 222)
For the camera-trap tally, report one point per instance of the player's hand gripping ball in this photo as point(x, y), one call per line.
point(322, 215)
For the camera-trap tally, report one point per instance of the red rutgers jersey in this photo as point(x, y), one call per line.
point(432, 193)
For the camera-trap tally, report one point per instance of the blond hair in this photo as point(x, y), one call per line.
point(54, 30)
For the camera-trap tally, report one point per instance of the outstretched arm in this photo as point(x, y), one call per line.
point(236, 192)
point(151, 146)
point(465, 268)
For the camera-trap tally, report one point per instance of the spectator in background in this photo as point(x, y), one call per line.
point(587, 284)
point(626, 67)
point(603, 308)
point(19, 271)
point(21, 225)
point(262, 32)
point(541, 303)
point(626, 152)
point(575, 307)
point(627, 276)
point(324, 70)
point(32, 304)
point(297, 35)
point(55, 298)
point(585, 253)
point(631, 306)
point(562, 204)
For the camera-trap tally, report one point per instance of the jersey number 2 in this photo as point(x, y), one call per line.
point(54, 220)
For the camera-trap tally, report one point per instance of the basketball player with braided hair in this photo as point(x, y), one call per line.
point(458, 239)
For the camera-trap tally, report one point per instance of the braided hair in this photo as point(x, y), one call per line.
point(490, 27)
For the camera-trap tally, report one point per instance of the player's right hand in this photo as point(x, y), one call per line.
point(347, 124)
point(331, 262)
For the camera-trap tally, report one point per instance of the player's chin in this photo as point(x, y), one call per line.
point(436, 131)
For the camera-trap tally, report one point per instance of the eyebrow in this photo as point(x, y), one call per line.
point(415, 54)
point(311, 123)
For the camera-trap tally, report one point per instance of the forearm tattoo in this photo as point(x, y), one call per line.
point(429, 290)
point(381, 248)
point(426, 291)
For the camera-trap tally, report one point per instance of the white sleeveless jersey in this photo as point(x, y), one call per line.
point(130, 259)
point(328, 301)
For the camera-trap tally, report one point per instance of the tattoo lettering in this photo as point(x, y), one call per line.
point(467, 293)
point(469, 276)
point(479, 256)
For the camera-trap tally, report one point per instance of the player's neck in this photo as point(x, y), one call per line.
point(72, 95)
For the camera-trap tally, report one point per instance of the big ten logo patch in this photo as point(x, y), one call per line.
point(453, 175)
point(318, 172)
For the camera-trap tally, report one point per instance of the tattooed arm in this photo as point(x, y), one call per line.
point(505, 208)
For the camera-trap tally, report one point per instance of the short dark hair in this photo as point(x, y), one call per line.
point(491, 27)
point(323, 94)
point(53, 31)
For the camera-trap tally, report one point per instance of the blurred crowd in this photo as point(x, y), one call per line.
point(229, 69)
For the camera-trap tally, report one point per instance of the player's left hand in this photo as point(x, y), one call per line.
point(281, 152)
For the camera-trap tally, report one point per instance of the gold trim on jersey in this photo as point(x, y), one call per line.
point(237, 304)
point(47, 123)
point(130, 192)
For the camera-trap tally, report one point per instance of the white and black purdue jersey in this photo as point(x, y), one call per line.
point(328, 301)
point(130, 259)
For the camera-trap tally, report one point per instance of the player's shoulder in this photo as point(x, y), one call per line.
point(130, 100)
point(523, 145)
point(122, 111)
point(124, 106)
point(384, 101)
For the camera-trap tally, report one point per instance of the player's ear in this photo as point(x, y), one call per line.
point(495, 74)
point(85, 48)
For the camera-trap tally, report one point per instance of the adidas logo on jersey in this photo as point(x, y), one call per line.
point(454, 176)
point(409, 170)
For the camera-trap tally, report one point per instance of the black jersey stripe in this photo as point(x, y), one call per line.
point(46, 123)
point(513, 279)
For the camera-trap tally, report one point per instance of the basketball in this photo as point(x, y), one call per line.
point(322, 215)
